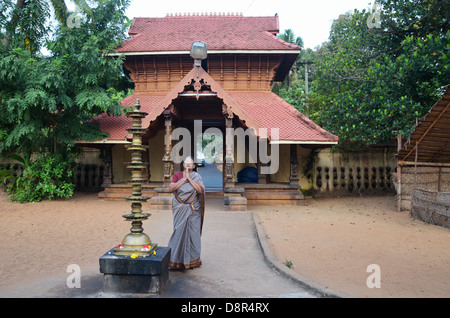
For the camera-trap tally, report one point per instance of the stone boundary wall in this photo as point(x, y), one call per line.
point(431, 207)
point(362, 173)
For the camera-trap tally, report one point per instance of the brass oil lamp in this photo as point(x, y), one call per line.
point(136, 243)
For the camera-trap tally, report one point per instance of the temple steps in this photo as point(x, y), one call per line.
point(119, 191)
point(251, 194)
point(263, 196)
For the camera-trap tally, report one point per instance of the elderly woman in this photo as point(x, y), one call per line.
point(188, 211)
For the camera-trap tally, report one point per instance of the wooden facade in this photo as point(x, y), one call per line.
point(234, 72)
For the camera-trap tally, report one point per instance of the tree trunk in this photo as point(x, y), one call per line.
point(11, 28)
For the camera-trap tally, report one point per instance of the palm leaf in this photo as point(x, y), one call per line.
point(17, 158)
point(83, 5)
point(60, 9)
point(6, 174)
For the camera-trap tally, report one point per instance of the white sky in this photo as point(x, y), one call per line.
point(310, 19)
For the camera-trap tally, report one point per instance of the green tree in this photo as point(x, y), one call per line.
point(25, 21)
point(293, 88)
point(47, 102)
point(290, 37)
point(371, 80)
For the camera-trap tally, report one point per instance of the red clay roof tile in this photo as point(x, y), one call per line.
point(271, 111)
point(220, 32)
point(116, 125)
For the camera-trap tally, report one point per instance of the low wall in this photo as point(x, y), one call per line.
point(328, 173)
point(88, 173)
point(425, 178)
point(87, 177)
point(367, 172)
point(431, 207)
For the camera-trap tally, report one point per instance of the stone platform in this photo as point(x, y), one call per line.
point(235, 199)
point(141, 275)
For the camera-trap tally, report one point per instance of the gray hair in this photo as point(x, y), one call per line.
point(187, 158)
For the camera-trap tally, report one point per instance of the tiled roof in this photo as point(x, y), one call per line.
point(116, 125)
point(271, 111)
point(267, 109)
point(220, 32)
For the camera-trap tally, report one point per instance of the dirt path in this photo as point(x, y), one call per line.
point(333, 241)
point(330, 241)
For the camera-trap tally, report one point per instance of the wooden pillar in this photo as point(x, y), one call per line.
point(293, 176)
point(415, 166)
point(399, 174)
point(234, 197)
point(146, 171)
point(108, 167)
point(262, 178)
point(167, 158)
point(229, 153)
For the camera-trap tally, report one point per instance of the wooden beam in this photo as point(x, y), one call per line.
point(430, 164)
point(426, 132)
point(415, 166)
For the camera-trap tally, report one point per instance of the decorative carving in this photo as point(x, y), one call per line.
point(293, 177)
point(197, 88)
point(229, 172)
point(167, 158)
point(229, 153)
point(168, 169)
point(107, 170)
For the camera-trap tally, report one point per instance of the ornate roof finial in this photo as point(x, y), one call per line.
point(137, 106)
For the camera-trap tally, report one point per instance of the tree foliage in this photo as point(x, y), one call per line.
point(49, 176)
point(370, 79)
point(293, 88)
point(56, 76)
point(48, 101)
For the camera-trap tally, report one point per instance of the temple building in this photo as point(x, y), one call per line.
point(207, 106)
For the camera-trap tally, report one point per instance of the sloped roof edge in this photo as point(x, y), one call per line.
point(430, 137)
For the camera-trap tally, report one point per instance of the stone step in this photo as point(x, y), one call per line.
point(274, 196)
point(259, 196)
point(117, 194)
point(275, 202)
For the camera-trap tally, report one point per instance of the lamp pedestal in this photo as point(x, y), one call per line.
point(141, 275)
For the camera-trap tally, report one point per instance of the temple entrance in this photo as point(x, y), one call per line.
point(210, 155)
point(198, 109)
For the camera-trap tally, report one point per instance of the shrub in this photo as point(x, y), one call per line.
point(48, 177)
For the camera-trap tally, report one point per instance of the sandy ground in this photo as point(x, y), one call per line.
point(330, 241)
point(333, 241)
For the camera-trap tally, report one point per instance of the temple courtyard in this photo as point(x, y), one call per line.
point(347, 244)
